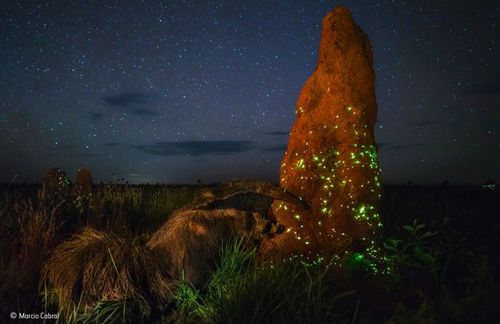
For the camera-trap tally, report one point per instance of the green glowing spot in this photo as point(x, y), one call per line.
point(358, 257)
point(297, 217)
point(300, 164)
point(365, 212)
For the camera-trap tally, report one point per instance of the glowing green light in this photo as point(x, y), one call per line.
point(358, 257)
point(300, 164)
point(365, 213)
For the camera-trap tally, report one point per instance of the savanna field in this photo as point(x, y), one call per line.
point(440, 245)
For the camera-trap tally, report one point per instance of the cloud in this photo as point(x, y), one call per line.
point(95, 117)
point(279, 148)
point(143, 112)
point(428, 123)
point(277, 133)
point(397, 147)
point(488, 87)
point(128, 102)
point(128, 99)
point(196, 148)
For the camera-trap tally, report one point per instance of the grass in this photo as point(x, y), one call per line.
point(242, 291)
point(444, 265)
point(37, 224)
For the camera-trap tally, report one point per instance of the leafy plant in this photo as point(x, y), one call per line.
point(450, 282)
point(416, 252)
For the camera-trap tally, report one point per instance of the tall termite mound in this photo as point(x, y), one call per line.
point(83, 181)
point(55, 183)
point(331, 161)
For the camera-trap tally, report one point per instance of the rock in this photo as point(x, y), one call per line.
point(83, 181)
point(331, 160)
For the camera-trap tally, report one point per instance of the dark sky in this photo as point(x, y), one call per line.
point(178, 91)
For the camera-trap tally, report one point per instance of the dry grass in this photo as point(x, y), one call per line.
point(36, 236)
point(33, 222)
point(134, 209)
point(94, 266)
point(30, 229)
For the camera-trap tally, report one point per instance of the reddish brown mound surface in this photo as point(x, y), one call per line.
point(83, 181)
point(55, 182)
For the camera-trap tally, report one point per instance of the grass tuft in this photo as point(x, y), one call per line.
point(242, 291)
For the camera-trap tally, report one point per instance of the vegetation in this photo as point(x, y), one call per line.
point(439, 269)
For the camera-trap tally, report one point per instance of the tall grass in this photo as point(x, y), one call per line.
point(33, 222)
point(435, 277)
point(37, 224)
point(242, 291)
point(135, 209)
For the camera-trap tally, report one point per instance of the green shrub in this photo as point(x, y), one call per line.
point(451, 283)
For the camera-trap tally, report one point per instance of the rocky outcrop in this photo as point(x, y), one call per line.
point(331, 161)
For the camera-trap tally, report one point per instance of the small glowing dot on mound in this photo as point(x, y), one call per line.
point(358, 256)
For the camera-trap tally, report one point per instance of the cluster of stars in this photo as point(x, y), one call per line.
point(232, 71)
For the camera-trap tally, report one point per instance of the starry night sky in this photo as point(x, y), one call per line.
point(173, 92)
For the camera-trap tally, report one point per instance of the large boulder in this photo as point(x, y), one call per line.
point(331, 161)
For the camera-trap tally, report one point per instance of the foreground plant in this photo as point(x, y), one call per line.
point(448, 282)
point(241, 291)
